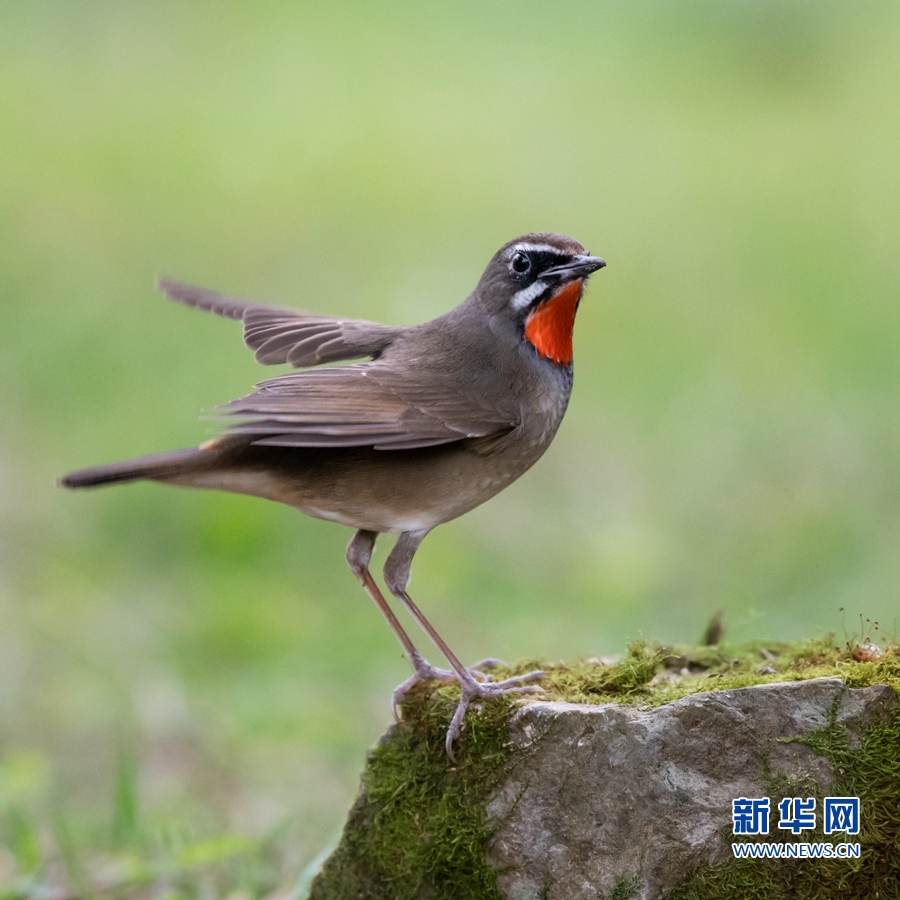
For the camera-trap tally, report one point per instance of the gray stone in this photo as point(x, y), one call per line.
point(610, 793)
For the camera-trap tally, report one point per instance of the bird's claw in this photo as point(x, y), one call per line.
point(476, 687)
point(423, 671)
point(474, 690)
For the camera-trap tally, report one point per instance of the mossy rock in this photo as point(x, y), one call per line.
point(542, 799)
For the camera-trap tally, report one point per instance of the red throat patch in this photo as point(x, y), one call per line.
point(549, 327)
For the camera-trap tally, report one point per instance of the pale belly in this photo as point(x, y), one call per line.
point(376, 490)
point(382, 493)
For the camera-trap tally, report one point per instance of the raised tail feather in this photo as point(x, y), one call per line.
point(159, 466)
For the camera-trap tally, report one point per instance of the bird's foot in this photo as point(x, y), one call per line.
point(486, 690)
point(423, 671)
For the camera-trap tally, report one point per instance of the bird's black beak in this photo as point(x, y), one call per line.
point(579, 267)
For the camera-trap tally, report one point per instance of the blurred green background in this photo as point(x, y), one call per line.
point(195, 665)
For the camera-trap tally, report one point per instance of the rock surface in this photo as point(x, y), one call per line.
point(565, 801)
point(612, 794)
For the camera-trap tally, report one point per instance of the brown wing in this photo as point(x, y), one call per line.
point(361, 406)
point(285, 335)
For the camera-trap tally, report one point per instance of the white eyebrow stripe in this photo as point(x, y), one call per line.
point(522, 298)
point(537, 248)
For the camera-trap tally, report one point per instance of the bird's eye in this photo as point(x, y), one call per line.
point(520, 263)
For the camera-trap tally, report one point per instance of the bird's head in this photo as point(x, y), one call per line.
point(536, 282)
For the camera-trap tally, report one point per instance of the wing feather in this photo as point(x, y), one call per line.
point(361, 406)
point(367, 405)
point(279, 336)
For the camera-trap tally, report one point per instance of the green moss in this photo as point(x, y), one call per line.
point(650, 676)
point(593, 682)
point(626, 888)
point(419, 828)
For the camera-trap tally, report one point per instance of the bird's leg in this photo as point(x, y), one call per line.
point(359, 554)
point(396, 576)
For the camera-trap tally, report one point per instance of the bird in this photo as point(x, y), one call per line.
point(436, 419)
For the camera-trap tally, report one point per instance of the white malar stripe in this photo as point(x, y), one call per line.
point(536, 248)
point(528, 295)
